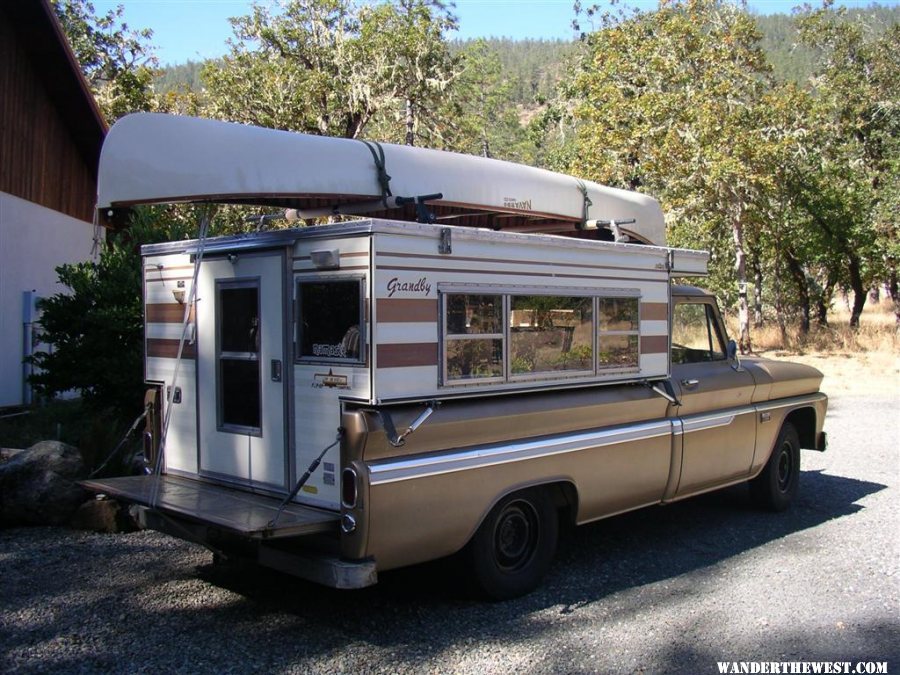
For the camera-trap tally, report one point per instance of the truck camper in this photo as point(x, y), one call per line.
point(485, 351)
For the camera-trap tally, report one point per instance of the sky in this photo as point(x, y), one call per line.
point(197, 29)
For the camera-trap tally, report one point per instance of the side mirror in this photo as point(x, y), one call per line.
point(732, 350)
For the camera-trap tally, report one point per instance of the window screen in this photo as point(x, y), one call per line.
point(618, 335)
point(473, 348)
point(331, 320)
point(550, 333)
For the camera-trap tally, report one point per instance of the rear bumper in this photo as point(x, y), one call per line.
point(318, 567)
point(821, 441)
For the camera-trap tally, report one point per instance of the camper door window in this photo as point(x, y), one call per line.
point(330, 320)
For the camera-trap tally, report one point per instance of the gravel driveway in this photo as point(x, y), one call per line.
point(666, 589)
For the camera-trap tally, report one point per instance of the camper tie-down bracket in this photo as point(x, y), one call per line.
point(390, 430)
point(665, 389)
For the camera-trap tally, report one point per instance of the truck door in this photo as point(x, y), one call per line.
point(241, 382)
point(719, 429)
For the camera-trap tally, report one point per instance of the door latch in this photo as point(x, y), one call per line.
point(276, 370)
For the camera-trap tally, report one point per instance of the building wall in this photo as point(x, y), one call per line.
point(34, 240)
point(39, 159)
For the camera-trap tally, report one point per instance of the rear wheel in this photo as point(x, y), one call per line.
point(776, 487)
point(514, 547)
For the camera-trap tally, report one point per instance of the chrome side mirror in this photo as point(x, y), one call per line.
point(732, 353)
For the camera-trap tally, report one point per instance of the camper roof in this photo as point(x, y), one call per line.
point(157, 158)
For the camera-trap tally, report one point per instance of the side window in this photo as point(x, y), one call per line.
point(550, 333)
point(473, 345)
point(330, 320)
point(695, 334)
point(619, 332)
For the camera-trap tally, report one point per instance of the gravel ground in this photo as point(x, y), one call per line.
point(666, 589)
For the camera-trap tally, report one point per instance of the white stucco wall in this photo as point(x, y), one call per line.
point(34, 240)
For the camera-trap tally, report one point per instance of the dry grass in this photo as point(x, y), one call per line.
point(858, 362)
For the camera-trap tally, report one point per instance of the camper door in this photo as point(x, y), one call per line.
point(240, 369)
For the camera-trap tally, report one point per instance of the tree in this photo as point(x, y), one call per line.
point(117, 61)
point(96, 329)
point(857, 89)
point(669, 101)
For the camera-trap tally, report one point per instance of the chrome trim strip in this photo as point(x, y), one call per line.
point(703, 422)
point(788, 402)
point(392, 470)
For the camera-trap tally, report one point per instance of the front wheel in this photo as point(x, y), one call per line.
point(776, 486)
point(514, 546)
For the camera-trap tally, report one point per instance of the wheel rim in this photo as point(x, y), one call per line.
point(785, 467)
point(515, 536)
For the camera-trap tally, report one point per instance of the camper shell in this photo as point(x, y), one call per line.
point(341, 399)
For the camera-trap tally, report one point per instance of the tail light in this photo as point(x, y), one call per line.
point(349, 491)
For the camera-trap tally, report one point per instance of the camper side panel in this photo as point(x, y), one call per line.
point(332, 352)
point(167, 288)
point(504, 313)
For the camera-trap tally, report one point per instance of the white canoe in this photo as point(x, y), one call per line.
point(157, 158)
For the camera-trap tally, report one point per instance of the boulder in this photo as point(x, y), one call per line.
point(37, 485)
point(103, 515)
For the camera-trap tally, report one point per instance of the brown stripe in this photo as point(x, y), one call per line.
point(165, 312)
point(654, 311)
point(404, 310)
point(554, 275)
point(351, 254)
point(167, 348)
point(407, 355)
point(164, 279)
point(654, 344)
point(313, 270)
point(509, 261)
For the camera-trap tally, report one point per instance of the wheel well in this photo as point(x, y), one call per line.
point(565, 498)
point(804, 421)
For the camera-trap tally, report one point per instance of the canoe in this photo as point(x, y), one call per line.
point(158, 158)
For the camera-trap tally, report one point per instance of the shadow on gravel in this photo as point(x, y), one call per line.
point(422, 611)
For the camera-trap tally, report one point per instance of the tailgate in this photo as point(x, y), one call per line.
point(243, 513)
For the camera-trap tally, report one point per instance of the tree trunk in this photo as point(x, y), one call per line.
point(757, 295)
point(824, 300)
point(410, 122)
point(740, 269)
point(796, 270)
point(859, 291)
point(894, 290)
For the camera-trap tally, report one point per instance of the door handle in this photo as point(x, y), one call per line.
point(276, 370)
point(690, 383)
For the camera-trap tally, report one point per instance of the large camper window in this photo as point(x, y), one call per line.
point(515, 337)
point(618, 333)
point(474, 336)
point(330, 320)
point(549, 333)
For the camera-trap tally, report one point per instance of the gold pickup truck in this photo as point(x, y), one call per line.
point(521, 465)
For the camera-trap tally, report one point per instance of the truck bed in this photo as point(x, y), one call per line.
point(243, 513)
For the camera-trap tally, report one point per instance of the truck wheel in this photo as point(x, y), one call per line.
point(514, 546)
point(776, 486)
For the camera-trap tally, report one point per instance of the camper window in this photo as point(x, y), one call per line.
point(238, 355)
point(550, 333)
point(512, 337)
point(618, 332)
point(330, 320)
point(474, 337)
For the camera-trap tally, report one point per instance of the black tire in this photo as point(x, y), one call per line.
point(514, 546)
point(776, 486)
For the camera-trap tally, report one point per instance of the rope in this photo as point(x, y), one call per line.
point(384, 180)
point(586, 205)
point(122, 442)
point(302, 481)
point(188, 305)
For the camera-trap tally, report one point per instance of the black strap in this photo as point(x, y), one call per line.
point(384, 180)
point(587, 204)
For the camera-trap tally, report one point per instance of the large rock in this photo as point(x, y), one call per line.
point(103, 515)
point(37, 486)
